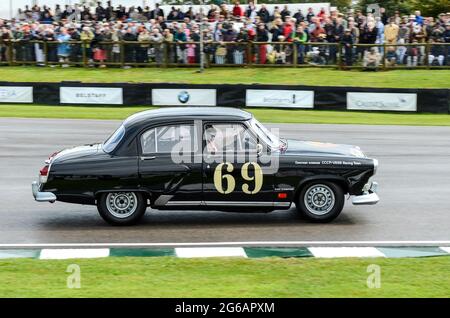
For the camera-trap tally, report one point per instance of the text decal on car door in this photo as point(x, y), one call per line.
point(257, 178)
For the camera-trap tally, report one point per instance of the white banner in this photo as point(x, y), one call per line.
point(184, 97)
point(16, 94)
point(280, 98)
point(91, 95)
point(382, 101)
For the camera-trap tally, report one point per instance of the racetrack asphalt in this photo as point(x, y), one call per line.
point(414, 178)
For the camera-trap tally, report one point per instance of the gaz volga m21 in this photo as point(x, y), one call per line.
point(206, 158)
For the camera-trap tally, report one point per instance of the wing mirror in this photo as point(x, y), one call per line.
point(259, 150)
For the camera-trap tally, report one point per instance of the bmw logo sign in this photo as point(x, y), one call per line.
point(183, 97)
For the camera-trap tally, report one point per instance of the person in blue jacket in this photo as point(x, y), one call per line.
point(64, 46)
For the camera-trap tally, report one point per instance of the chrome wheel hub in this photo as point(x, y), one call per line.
point(319, 199)
point(121, 204)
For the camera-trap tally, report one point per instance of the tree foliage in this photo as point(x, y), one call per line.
point(427, 8)
point(431, 8)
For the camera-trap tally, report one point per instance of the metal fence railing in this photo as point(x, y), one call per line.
point(219, 54)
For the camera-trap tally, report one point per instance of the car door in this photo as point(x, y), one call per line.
point(233, 174)
point(170, 165)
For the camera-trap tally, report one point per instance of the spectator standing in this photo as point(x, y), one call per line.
point(276, 29)
point(75, 46)
point(87, 36)
point(347, 43)
point(180, 37)
point(299, 16)
point(239, 49)
point(157, 12)
point(391, 32)
point(264, 14)
point(237, 10)
point(5, 37)
point(156, 38)
point(403, 37)
point(412, 54)
point(262, 35)
point(285, 13)
point(144, 39)
point(310, 15)
point(63, 47)
point(52, 54)
point(250, 12)
point(129, 48)
point(299, 38)
point(116, 37)
point(98, 49)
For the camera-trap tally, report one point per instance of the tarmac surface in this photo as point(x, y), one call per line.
point(414, 179)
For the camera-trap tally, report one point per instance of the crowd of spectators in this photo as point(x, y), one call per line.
point(150, 34)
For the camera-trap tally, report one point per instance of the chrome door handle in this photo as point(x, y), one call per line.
point(148, 158)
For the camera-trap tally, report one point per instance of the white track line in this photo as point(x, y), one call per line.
point(245, 243)
point(189, 252)
point(74, 253)
point(446, 249)
point(332, 252)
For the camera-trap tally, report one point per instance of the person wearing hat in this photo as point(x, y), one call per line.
point(403, 37)
point(347, 43)
point(87, 36)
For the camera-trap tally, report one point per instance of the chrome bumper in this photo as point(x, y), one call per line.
point(369, 197)
point(41, 196)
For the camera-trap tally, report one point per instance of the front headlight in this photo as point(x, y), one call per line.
point(375, 166)
point(357, 152)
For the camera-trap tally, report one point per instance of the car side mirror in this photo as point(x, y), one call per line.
point(259, 150)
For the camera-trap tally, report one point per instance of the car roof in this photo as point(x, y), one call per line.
point(167, 113)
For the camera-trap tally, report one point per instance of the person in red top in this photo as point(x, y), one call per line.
point(317, 32)
point(288, 29)
point(237, 10)
point(322, 14)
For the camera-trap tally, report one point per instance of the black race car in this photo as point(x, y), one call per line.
point(209, 158)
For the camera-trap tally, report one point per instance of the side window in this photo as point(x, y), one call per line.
point(228, 138)
point(163, 139)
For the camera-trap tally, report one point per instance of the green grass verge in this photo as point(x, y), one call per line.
point(304, 76)
point(226, 277)
point(265, 115)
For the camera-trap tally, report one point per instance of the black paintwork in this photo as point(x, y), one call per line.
point(80, 174)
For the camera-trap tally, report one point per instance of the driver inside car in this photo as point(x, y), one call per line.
point(210, 135)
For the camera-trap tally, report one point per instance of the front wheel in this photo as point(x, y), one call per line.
point(121, 208)
point(321, 201)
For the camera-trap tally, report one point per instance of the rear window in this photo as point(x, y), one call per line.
point(114, 140)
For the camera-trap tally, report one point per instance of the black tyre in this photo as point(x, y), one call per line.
point(320, 201)
point(122, 208)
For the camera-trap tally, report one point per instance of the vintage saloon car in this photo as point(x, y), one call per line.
point(209, 158)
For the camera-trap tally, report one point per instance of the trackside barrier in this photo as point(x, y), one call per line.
point(240, 95)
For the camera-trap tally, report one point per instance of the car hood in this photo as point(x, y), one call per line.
point(77, 152)
point(313, 148)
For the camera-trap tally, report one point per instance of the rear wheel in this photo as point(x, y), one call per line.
point(321, 201)
point(121, 208)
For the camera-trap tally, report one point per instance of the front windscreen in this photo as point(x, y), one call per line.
point(264, 133)
point(114, 140)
